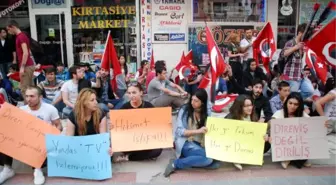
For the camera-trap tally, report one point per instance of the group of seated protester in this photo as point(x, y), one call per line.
point(85, 97)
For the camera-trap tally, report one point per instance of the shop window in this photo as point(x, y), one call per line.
point(91, 21)
point(229, 10)
point(15, 10)
point(286, 21)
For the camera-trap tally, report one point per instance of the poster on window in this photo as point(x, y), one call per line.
point(169, 21)
point(197, 40)
point(229, 11)
point(306, 10)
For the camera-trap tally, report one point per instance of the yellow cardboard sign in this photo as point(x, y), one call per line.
point(235, 141)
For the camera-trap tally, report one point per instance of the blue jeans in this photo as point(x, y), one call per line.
point(117, 104)
point(59, 106)
point(191, 89)
point(193, 156)
point(304, 86)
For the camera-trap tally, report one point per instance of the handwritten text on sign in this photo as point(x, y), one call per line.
point(22, 136)
point(235, 141)
point(141, 129)
point(84, 157)
point(299, 138)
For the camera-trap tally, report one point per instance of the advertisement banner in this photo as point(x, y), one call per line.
point(145, 21)
point(197, 40)
point(306, 10)
point(169, 21)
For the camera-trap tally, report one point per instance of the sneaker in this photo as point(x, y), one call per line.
point(307, 164)
point(213, 166)
point(285, 164)
point(238, 166)
point(6, 174)
point(39, 178)
point(170, 168)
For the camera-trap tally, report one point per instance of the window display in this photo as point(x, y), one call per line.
point(229, 10)
point(91, 21)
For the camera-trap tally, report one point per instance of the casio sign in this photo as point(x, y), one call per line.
point(49, 2)
point(170, 7)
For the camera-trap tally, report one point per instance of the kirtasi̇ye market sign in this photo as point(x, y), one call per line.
point(102, 16)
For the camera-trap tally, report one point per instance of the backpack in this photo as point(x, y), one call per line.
point(36, 50)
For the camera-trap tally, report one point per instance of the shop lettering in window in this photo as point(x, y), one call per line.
point(103, 17)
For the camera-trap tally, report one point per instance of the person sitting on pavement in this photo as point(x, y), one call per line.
point(293, 108)
point(261, 103)
point(106, 96)
point(62, 72)
point(135, 93)
point(278, 100)
point(151, 74)
point(71, 88)
point(189, 135)
point(243, 109)
point(43, 111)
point(51, 87)
point(159, 94)
point(253, 72)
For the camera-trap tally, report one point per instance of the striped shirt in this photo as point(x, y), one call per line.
point(51, 89)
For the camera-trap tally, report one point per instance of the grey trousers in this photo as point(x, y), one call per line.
point(169, 101)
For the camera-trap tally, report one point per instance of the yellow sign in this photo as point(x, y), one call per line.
point(235, 141)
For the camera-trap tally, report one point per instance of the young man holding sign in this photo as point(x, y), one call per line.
point(43, 111)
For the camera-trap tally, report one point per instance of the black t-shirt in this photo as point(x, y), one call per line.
point(234, 50)
point(144, 104)
point(90, 130)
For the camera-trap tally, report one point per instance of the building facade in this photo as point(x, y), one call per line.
point(73, 31)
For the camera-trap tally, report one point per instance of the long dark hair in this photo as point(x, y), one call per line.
point(237, 109)
point(202, 95)
point(330, 85)
point(125, 65)
point(299, 111)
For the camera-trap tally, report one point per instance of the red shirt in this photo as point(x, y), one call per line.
point(20, 39)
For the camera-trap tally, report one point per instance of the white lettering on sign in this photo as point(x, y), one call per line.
point(170, 7)
point(11, 8)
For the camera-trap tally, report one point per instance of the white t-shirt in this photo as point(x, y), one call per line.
point(280, 114)
point(330, 107)
point(46, 112)
point(244, 43)
point(72, 89)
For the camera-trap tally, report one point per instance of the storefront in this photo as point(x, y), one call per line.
point(73, 31)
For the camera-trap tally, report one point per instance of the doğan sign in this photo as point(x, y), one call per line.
point(102, 16)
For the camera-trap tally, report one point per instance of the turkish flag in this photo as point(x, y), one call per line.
point(181, 63)
point(316, 65)
point(223, 101)
point(110, 59)
point(217, 63)
point(323, 43)
point(152, 62)
point(265, 45)
point(189, 56)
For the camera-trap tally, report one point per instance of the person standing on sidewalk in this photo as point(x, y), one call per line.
point(7, 52)
point(25, 59)
point(189, 135)
point(246, 46)
point(43, 111)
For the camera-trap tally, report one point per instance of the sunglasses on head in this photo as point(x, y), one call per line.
point(132, 84)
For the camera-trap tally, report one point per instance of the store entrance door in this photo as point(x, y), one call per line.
point(51, 35)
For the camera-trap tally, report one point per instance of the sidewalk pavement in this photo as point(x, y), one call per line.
point(151, 172)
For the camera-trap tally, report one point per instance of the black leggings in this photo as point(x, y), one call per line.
point(143, 154)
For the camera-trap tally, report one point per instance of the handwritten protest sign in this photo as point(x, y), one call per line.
point(235, 141)
point(22, 135)
point(141, 129)
point(299, 138)
point(84, 157)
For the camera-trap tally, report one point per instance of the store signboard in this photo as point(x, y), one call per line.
point(146, 22)
point(170, 18)
point(5, 12)
point(48, 3)
point(197, 40)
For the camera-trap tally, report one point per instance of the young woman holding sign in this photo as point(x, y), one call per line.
point(242, 109)
point(189, 135)
point(134, 93)
point(293, 108)
point(86, 118)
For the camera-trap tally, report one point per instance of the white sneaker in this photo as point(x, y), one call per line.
point(6, 174)
point(238, 166)
point(38, 177)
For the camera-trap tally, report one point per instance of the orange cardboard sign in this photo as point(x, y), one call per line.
point(141, 129)
point(22, 136)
